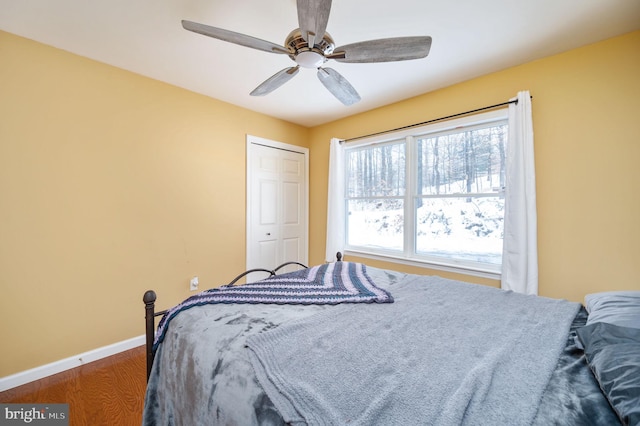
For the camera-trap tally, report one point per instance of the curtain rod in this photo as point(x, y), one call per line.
point(515, 101)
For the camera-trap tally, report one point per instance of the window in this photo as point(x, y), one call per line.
point(432, 194)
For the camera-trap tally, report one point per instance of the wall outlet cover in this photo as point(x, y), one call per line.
point(193, 284)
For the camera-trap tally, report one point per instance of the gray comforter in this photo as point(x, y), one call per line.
point(203, 374)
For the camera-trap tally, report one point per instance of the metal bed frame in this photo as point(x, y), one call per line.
point(149, 300)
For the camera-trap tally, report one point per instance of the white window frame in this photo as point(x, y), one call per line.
point(408, 255)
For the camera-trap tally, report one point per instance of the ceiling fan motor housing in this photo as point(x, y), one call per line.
point(306, 56)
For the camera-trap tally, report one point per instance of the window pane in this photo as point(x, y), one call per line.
point(465, 228)
point(452, 178)
point(469, 161)
point(377, 223)
point(376, 171)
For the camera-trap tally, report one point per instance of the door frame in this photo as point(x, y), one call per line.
point(251, 140)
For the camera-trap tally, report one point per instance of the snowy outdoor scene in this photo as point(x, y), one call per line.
point(458, 202)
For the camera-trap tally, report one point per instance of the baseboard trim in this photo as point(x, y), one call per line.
point(27, 376)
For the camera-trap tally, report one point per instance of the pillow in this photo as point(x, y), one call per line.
point(614, 307)
point(613, 354)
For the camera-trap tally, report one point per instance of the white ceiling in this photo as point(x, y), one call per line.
point(470, 38)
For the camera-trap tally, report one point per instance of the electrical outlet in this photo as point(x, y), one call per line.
point(193, 284)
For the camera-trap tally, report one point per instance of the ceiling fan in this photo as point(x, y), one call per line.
point(310, 46)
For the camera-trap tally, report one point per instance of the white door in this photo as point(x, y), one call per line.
point(276, 205)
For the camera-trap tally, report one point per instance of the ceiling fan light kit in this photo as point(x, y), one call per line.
point(306, 56)
point(310, 46)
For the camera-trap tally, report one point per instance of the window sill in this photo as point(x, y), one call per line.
point(472, 271)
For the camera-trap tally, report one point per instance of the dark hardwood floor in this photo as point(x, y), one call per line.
point(109, 391)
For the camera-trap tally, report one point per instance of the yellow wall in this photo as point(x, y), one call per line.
point(586, 107)
point(110, 184)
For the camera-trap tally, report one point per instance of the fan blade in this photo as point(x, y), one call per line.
point(275, 81)
point(338, 86)
point(313, 16)
point(233, 37)
point(383, 50)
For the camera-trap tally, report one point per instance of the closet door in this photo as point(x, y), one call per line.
point(276, 204)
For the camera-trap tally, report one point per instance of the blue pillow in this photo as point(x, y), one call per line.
point(613, 354)
point(614, 307)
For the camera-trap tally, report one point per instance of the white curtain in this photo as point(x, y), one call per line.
point(520, 249)
point(335, 201)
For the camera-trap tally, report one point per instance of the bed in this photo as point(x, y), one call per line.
point(346, 344)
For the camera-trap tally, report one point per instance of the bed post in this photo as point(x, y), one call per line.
point(149, 300)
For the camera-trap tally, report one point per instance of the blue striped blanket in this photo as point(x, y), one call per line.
point(327, 284)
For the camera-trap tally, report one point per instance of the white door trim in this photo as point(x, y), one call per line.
point(287, 147)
